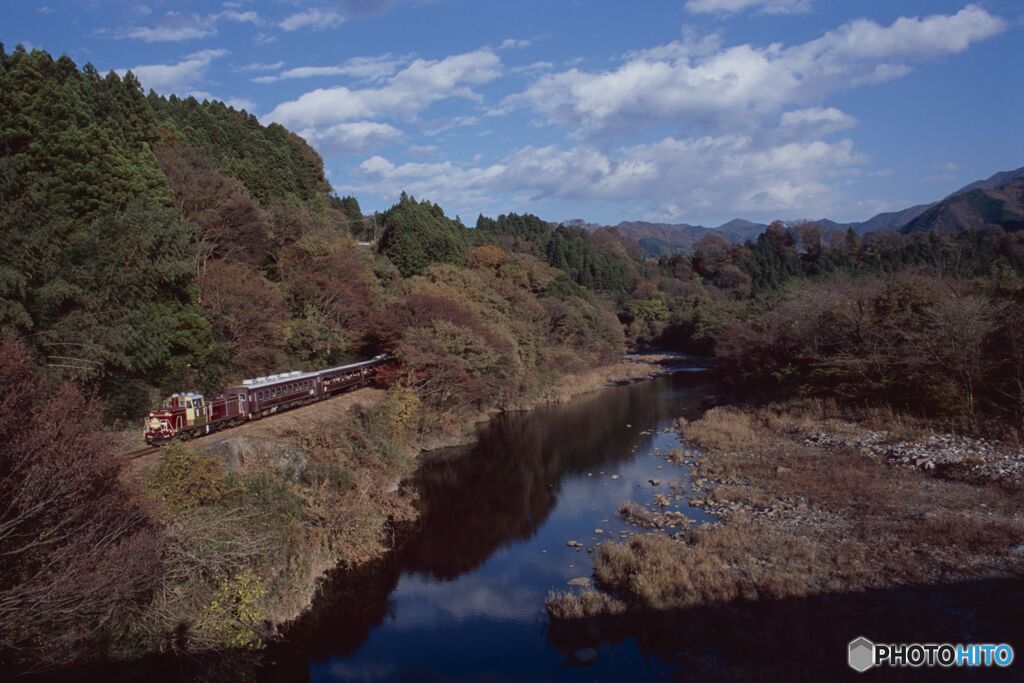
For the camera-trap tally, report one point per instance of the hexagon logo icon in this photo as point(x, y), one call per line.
point(861, 654)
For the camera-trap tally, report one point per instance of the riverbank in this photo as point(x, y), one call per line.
point(255, 518)
point(462, 431)
point(811, 504)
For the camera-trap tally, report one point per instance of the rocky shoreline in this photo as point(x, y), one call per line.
point(968, 456)
point(805, 504)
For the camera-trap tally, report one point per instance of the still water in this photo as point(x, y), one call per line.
point(463, 597)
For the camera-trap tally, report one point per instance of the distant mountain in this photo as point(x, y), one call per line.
point(739, 230)
point(898, 220)
point(658, 239)
point(995, 200)
point(974, 209)
point(997, 181)
point(891, 220)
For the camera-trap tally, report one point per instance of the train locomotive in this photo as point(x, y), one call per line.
point(187, 415)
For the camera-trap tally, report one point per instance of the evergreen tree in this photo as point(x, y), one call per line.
point(417, 234)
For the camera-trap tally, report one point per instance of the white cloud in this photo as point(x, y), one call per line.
point(746, 85)
point(365, 68)
point(441, 125)
point(173, 27)
point(180, 76)
point(422, 150)
point(733, 6)
point(356, 136)
point(179, 26)
point(405, 94)
point(704, 174)
point(752, 132)
point(259, 66)
point(510, 43)
point(535, 66)
point(815, 121)
point(318, 18)
point(240, 17)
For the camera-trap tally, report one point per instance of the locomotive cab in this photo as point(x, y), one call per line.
point(176, 414)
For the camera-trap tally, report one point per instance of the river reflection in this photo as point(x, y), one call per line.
point(462, 598)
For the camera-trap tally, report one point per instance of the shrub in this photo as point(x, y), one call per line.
point(232, 618)
point(722, 429)
point(186, 478)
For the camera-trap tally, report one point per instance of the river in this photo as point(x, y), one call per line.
point(462, 597)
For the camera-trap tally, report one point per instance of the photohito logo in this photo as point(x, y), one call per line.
point(862, 654)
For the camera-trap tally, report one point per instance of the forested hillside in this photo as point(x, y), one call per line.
point(153, 244)
point(929, 323)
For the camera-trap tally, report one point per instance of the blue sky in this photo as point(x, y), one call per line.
point(692, 111)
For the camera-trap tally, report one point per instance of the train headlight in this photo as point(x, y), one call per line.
point(154, 423)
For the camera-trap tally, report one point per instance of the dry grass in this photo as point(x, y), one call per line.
point(588, 603)
point(740, 561)
point(637, 515)
point(722, 429)
point(840, 520)
point(592, 379)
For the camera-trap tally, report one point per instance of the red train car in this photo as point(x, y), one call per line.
point(187, 415)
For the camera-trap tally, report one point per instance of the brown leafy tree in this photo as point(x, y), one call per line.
point(247, 314)
point(232, 226)
point(77, 554)
point(324, 274)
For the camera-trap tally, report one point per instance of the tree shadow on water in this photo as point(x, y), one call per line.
point(807, 638)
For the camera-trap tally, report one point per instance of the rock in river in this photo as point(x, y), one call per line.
point(585, 655)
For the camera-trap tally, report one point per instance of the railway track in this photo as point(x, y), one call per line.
point(132, 455)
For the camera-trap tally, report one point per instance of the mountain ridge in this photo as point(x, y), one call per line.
point(986, 195)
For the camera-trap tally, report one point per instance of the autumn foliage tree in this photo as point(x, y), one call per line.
point(77, 554)
point(230, 224)
point(247, 315)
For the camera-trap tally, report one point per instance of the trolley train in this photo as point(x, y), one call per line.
point(187, 415)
